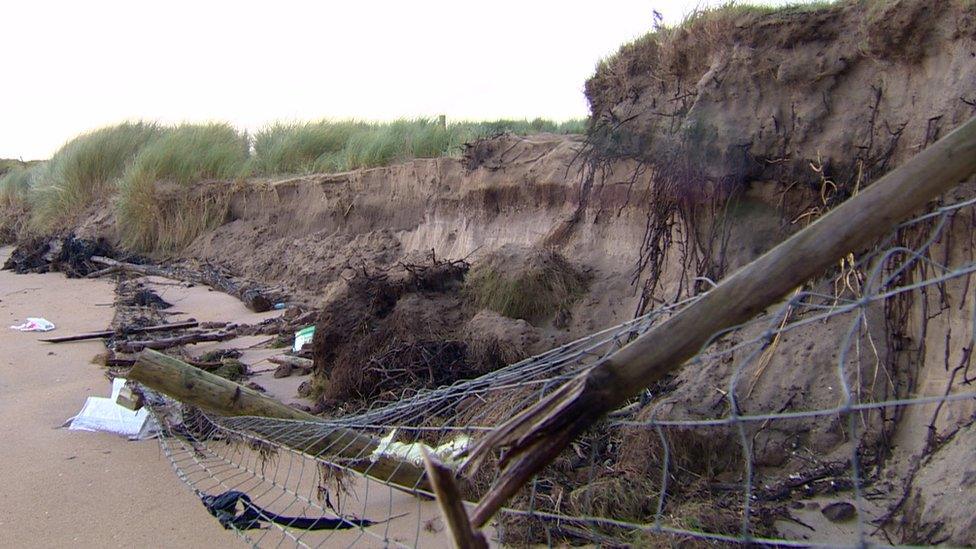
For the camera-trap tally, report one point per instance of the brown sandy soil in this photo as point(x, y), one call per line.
point(65, 487)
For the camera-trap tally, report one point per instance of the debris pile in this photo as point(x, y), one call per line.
point(69, 255)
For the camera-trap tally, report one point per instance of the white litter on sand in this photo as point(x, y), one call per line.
point(103, 414)
point(35, 324)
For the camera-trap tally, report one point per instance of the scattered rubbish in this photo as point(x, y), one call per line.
point(130, 397)
point(303, 337)
point(280, 306)
point(35, 324)
point(104, 414)
point(448, 453)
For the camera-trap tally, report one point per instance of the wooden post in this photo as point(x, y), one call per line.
point(536, 436)
point(196, 387)
point(452, 505)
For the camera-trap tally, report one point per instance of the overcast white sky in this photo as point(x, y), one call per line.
point(69, 67)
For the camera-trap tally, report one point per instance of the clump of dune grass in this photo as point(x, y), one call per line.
point(532, 286)
point(16, 186)
point(295, 148)
point(85, 170)
point(164, 202)
point(529, 127)
point(385, 144)
point(335, 146)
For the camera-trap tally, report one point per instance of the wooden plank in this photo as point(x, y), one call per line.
point(125, 331)
point(536, 436)
point(343, 447)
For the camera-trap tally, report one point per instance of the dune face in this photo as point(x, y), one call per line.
point(708, 145)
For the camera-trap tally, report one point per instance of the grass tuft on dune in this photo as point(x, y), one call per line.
point(85, 170)
point(161, 206)
point(336, 146)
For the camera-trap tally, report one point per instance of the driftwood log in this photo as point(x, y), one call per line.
point(253, 296)
point(288, 364)
point(175, 341)
point(340, 446)
point(536, 436)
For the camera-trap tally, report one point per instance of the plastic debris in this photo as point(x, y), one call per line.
point(104, 414)
point(302, 337)
point(448, 453)
point(35, 324)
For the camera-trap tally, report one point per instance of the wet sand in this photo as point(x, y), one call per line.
point(76, 488)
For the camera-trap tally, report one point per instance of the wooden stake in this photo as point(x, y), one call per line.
point(340, 446)
point(452, 504)
point(175, 341)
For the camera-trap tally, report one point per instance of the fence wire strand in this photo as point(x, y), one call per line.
point(800, 404)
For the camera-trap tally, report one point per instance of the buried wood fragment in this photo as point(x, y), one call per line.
point(337, 445)
point(176, 341)
point(288, 364)
point(533, 438)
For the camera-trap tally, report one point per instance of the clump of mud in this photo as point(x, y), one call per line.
point(432, 323)
point(392, 331)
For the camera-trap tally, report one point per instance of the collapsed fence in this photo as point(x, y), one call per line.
point(812, 401)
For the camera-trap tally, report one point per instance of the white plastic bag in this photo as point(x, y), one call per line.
point(35, 324)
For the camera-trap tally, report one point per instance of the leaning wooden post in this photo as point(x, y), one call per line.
point(213, 393)
point(536, 436)
point(452, 504)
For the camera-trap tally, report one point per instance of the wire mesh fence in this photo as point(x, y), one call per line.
point(802, 427)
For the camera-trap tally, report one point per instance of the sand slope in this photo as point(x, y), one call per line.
point(63, 487)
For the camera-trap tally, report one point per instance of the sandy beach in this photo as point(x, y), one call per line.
point(99, 490)
point(63, 487)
